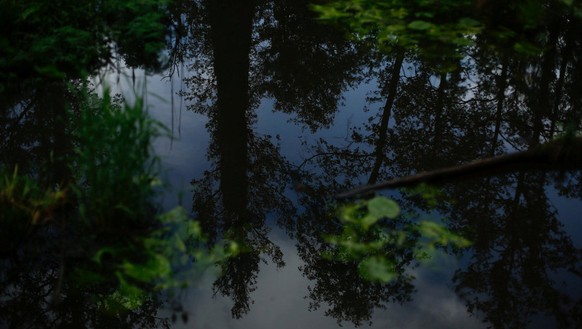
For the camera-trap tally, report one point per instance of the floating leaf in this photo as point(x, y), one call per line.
point(105, 250)
point(439, 234)
point(383, 207)
point(349, 213)
point(377, 268)
point(157, 266)
point(368, 221)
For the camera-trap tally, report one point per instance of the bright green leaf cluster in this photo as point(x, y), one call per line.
point(436, 234)
point(364, 241)
point(406, 23)
point(443, 26)
point(377, 246)
point(51, 40)
point(170, 258)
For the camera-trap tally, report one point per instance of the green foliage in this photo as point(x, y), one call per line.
point(24, 204)
point(436, 234)
point(406, 23)
point(376, 246)
point(363, 240)
point(115, 178)
point(382, 207)
point(21, 197)
point(446, 25)
point(115, 171)
point(429, 193)
point(170, 258)
point(53, 39)
point(377, 268)
point(124, 250)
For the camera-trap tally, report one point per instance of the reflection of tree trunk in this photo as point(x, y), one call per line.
point(231, 26)
point(561, 154)
point(439, 111)
point(566, 53)
point(572, 114)
point(502, 86)
point(386, 113)
point(542, 106)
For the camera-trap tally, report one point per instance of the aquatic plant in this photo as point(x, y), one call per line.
point(378, 247)
point(99, 234)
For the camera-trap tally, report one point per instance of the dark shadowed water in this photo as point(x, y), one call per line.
point(271, 115)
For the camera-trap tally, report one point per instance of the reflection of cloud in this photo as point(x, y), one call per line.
point(279, 302)
point(434, 306)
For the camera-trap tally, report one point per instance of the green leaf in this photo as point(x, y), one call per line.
point(526, 48)
point(29, 11)
point(368, 221)
point(179, 243)
point(437, 233)
point(383, 207)
point(157, 266)
point(377, 268)
point(101, 252)
point(469, 22)
point(420, 25)
point(349, 213)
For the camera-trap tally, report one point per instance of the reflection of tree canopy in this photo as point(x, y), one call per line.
point(237, 204)
point(33, 131)
point(434, 112)
point(522, 256)
point(303, 65)
point(42, 290)
point(235, 53)
point(337, 283)
point(48, 277)
point(522, 262)
point(267, 179)
point(248, 177)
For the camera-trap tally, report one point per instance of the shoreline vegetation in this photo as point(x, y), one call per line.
point(97, 233)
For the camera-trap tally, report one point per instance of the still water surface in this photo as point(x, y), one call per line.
point(283, 296)
point(272, 114)
point(271, 122)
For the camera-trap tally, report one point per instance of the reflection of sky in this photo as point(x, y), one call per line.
point(183, 157)
point(569, 214)
point(280, 303)
point(280, 298)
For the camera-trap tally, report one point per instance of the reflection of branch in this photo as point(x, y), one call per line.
point(506, 139)
point(563, 153)
point(338, 154)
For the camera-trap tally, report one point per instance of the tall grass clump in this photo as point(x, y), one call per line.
point(97, 237)
point(114, 166)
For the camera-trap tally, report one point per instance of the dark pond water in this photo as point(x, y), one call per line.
point(272, 115)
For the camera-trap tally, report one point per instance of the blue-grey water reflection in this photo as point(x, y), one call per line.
point(270, 115)
point(282, 293)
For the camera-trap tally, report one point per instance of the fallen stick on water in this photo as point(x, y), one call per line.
point(561, 154)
